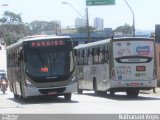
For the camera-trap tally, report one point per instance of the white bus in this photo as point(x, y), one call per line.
point(41, 65)
point(120, 64)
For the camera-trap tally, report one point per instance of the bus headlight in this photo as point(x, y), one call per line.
point(28, 83)
point(74, 79)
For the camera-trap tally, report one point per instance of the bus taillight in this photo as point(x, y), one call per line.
point(28, 83)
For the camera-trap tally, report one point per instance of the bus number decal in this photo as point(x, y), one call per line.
point(122, 71)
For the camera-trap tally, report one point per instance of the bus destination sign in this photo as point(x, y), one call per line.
point(47, 43)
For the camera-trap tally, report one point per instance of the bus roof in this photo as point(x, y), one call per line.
point(132, 38)
point(101, 42)
point(33, 38)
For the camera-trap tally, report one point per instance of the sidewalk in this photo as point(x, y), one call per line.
point(157, 91)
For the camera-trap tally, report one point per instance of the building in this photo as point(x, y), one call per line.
point(58, 27)
point(80, 22)
point(98, 23)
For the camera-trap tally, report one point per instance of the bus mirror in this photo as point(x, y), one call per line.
point(75, 52)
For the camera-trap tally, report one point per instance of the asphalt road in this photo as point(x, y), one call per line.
point(87, 103)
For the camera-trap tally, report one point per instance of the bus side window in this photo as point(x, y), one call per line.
point(92, 51)
point(96, 52)
point(75, 52)
point(159, 59)
point(101, 56)
point(81, 60)
point(98, 55)
point(78, 57)
point(88, 52)
point(19, 56)
point(107, 54)
point(83, 57)
point(86, 57)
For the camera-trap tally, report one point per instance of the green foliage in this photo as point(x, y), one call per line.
point(125, 29)
point(84, 29)
point(38, 27)
point(12, 27)
point(11, 18)
point(12, 32)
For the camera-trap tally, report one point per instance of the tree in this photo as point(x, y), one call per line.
point(84, 29)
point(11, 18)
point(125, 29)
point(11, 32)
point(12, 27)
point(38, 27)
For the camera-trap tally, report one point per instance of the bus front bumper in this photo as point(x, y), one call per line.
point(138, 84)
point(34, 91)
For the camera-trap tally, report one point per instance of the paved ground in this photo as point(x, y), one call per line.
point(157, 91)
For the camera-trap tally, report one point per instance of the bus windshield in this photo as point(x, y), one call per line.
point(49, 61)
point(133, 51)
point(134, 60)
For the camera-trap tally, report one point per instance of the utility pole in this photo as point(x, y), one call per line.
point(87, 25)
point(133, 27)
point(86, 19)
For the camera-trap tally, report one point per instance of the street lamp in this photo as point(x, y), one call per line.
point(87, 19)
point(66, 3)
point(133, 27)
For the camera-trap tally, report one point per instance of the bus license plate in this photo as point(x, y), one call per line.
point(52, 93)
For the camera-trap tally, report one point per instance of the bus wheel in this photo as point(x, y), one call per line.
point(16, 96)
point(102, 93)
point(112, 92)
point(132, 92)
point(80, 91)
point(67, 96)
point(95, 86)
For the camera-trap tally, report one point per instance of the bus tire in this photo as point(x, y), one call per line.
point(16, 96)
point(67, 96)
point(132, 92)
point(95, 86)
point(80, 91)
point(112, 92)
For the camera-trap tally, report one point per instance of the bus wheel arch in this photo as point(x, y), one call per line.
point(80, 91)
point(95, 85)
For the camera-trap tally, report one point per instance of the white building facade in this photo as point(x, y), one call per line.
point(98, 23)
point(80, 22)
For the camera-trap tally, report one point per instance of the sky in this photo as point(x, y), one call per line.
point(146, 12)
